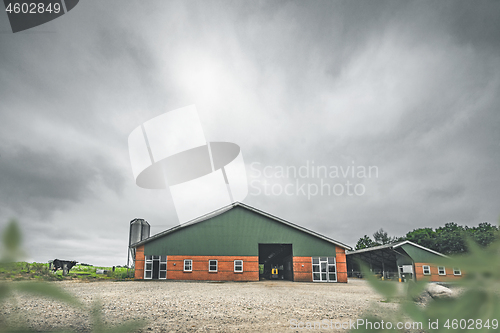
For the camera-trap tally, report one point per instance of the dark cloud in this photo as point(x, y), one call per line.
point(410, 87)
point(45, 181)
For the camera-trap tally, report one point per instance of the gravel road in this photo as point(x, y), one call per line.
point(168, 306)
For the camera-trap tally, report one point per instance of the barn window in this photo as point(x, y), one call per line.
point(426, 270)
point(188, 265)
point(163, 267)
point(238, 266)
point(148, 267)
point(441, 270)
point(212, 265)
point(457, 271)
point(324, 269)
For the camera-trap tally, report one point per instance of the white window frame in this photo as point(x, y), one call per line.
point(441, 270)
point(455, 270)
point(190, 264)
point(235, 264)
point(148, 260)
point(216, 265)
point(426, 269)
point(327, 265)
point(163, 261)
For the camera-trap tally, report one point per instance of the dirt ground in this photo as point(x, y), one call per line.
point(171, 306)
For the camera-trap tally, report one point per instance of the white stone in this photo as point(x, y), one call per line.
point(438, 291)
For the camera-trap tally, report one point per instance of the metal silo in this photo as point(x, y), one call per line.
point(139, 230)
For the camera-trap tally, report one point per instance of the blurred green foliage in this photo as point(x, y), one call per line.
point(475, 307)
point(9, 265)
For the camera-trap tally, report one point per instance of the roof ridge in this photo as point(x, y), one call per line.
point(226, 208)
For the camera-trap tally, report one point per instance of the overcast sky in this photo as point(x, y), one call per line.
point(411, 88)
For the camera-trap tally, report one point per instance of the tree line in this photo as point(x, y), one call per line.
point(449, 239)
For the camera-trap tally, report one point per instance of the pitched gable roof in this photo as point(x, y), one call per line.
point(394, 246)
point(231, 206)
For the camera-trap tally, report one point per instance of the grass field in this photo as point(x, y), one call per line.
point(40, 271)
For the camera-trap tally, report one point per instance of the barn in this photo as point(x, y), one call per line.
point(402, 261)
point(240, 243)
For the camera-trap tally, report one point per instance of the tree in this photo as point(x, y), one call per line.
point(381, 237)
point(365, 242)
point(423, 236)
point(483, 234)
point(450, 239)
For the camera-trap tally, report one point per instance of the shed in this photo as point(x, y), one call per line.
point(403, 260)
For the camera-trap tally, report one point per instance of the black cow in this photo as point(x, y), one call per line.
point(65, 265)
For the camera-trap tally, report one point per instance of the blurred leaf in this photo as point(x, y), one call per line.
point(414, 311)
point(12, 236)
point(99, 327)
point(96, 316)
point(415, 289)
point(129, 326)
point(47, 290)
point(26, 330)
point(4, 291)
point(385, 288)
point(479, 300)
point(472, 305)
point(12, 246)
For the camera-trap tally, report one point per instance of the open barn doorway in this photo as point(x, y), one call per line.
point(275, 262)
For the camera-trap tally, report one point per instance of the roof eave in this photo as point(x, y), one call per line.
point(422, 247)
point(393, 246)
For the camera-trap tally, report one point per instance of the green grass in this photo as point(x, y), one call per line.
point(90, 272)
point(19, 271)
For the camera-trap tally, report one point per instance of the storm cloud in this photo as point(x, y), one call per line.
point(408, 87)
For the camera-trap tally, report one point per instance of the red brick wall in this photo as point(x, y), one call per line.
point(434, 277)
point(302, 274)
point(302, 267)
point(139, 262)
point(341, 264)
point(225, 268)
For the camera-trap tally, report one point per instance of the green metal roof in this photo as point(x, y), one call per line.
point(418, 253)
point(421, 254)
point(389, 256)
point(237, 229)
